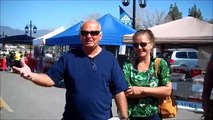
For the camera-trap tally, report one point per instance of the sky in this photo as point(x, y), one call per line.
point(52, 14)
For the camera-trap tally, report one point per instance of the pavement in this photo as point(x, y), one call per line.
point(23, 100)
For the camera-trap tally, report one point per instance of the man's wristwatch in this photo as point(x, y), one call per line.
point(124, 118)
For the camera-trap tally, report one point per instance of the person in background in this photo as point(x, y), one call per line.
point(145, 87)
point(9, 61)
point(18, 57)
point(25, 53)
point(12, 60)
point(207, 102)
point(48, 54)
point(92, 77)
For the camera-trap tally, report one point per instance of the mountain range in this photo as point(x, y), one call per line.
point(8, 31)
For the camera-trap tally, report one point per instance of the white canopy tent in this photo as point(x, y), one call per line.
point(187, 30)
point(41, 40)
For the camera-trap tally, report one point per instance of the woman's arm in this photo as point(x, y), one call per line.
point(138, 92)
point(164, 86)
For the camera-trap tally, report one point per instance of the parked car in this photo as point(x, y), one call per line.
point(186, 58)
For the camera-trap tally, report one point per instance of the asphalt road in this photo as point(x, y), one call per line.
point(23, 100)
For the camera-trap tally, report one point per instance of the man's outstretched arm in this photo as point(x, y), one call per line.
point(37, 78)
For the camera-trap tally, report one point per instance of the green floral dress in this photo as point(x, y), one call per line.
point(147, 106)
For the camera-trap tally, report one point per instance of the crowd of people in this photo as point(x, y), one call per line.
point(13, 58)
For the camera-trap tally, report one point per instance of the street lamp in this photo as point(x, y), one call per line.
point(3, 35)
point(142, 4)
point(32, 29)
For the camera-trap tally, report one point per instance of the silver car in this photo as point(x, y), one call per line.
point(186, 58)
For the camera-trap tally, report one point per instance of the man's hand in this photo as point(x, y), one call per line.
point(24, 71)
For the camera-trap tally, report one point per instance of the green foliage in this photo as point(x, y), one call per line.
point(174, 12)
point(210, 21)
point(195, 12)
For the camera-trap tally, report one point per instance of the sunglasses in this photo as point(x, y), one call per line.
point(142, 44)
point(93, 33)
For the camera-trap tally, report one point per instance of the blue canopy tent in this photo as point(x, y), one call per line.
point(113, 31)
point(69, 36)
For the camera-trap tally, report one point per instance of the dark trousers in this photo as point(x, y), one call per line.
point(209, 115)
point(153, 117)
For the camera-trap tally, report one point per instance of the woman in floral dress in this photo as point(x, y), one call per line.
point(145, 87)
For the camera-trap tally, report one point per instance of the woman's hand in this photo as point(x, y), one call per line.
point(135, 92)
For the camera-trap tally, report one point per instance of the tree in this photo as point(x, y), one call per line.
point(195, 12)
point(173, 13)
point(94, 16)
point(210, 21)
point(146, 18)
point(151, 19)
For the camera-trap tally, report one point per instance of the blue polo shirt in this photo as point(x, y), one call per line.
point(90, 83)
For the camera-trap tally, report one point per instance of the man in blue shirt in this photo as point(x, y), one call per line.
point(92, 77)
